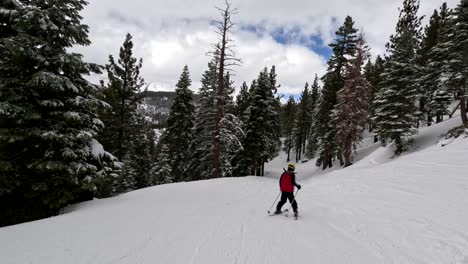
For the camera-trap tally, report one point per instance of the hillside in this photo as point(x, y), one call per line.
point(157, 106)
point(410, 209)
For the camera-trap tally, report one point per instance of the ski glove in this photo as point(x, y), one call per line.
point(299, 186)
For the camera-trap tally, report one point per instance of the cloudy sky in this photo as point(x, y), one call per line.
point(292, 34)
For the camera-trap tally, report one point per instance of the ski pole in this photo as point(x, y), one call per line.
point(274, 202)
point(294, 199)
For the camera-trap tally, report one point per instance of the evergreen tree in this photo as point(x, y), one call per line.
point(434, 89)
point(273, 117)
point(161, 173)
point(199, 165)
point(122, 93)
point(289, 117)
point(427, 90)
point(456, 68)
point(352, 108)
point(262, 130)
point(242, 101)
point(314, 102)
point(396, 113)
point(231, 133)
point(343, 48)
point(303, 122)
point(140, 157)
point(373, 73)
point(180, 123)
point(49, 155)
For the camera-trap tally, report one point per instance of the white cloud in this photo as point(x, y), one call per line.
point(170, 34)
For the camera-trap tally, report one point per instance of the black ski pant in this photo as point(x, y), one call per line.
point(284, 197)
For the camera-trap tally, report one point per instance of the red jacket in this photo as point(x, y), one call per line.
point(288, 181)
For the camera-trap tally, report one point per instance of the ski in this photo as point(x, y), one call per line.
point(282, 211)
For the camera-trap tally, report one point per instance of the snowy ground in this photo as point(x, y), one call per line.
point(412, 209)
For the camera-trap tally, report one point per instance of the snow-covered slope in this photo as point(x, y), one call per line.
point(412, 209)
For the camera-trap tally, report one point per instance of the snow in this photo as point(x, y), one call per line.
point(410, 209)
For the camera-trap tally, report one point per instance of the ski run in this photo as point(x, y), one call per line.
point(410, 209)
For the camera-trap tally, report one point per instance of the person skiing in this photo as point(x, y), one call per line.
point(287, 183)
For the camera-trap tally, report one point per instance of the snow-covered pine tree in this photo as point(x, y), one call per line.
point(303, 122)
point(242, 101)
point(457, 60)
point(49, 155)
point(312, 141)
point(232, 132)
point(161, 173)
point(199, 165)
point(273, 120)
point(262, 131)
point(433, 64)
point(122, 93)
point(201, 150)
point(178, 134)
point(395, 104)
point(373, 73)
point(288, 124)
point(352, 109)
point(343, 47)
point(141, 156)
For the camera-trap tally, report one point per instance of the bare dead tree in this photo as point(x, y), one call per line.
point(224, 53)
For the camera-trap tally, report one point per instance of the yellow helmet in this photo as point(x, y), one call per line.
point(291, 167)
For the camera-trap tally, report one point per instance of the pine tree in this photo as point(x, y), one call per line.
point(312, 143)
point(373, 73)
point(273, 120)
point(427, 90)
point(457, 60)
point(262, 130)
point(161, 173)
point(199, 165)
point(242, 101)
point(180, 123)
point(49, 155)
point(288, 121)
point(343, 48)
point(303, 122)
point(432, 72)
point(352, 108)
point(396, 112)
point(123, 95)
point(140, 160)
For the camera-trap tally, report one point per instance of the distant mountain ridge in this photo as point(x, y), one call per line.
point(157, 106)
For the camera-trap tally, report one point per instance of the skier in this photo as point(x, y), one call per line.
point(287, 183)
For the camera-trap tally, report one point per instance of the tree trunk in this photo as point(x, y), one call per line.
point(398, 144)
point(340, 157)
point(347, 158)
point(304, 147)
point(463, 111)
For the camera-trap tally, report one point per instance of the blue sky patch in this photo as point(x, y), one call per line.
point(291, 35)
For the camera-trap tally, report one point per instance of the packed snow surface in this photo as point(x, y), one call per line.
point(411, 209)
